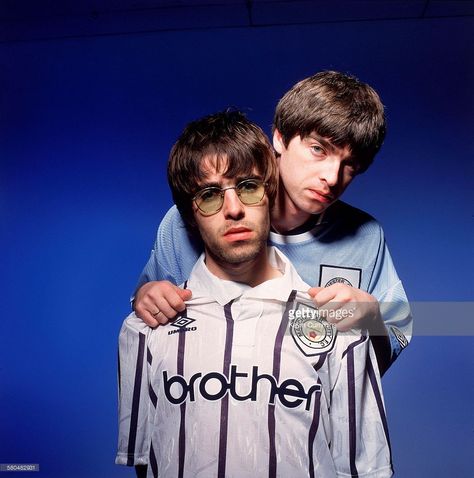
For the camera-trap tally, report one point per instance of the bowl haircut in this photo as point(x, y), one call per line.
point(234, 145)
point(334, 106)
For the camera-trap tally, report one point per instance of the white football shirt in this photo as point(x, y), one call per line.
point(250, 382)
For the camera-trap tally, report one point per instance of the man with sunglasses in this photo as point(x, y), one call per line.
point(327, 130)
point(250, 379)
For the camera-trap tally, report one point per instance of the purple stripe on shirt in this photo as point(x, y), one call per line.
point(378, 399)
point(320, 362)
point(119, 373)
point(362, 339)
point(271, 435)
point(313, 430)
point(225, 399)
point(182, 439)
point(272, 461)
point(351, 411)
point(152, 394)
point(132, 436)
point(182, 424)
point(153, 462)
point(352, 403)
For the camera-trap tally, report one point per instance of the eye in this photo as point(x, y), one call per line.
point(248, 186)
point(317, 149)
point(208, 195)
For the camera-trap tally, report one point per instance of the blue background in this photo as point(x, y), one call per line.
point(86, 125)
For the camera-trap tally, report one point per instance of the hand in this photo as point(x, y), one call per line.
point(348, 307)
point(157, 302)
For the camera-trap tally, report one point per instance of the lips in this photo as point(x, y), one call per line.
point(321, 197)
point(237, 234)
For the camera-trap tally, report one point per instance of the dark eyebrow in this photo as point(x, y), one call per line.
point(324, 142)
point(239, 179)
point(328, 144)
point(209, 185)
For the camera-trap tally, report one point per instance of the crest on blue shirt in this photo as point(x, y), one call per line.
point(329, 275)
point(312, 334)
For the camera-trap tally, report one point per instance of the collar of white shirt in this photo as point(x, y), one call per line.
point(206, 286)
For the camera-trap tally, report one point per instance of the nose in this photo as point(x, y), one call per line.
point(232, 207)
point(331, 171)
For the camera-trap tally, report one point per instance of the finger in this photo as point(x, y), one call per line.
point(148, 318)
point(177, 297)
point(346, 318)
point(185, 294)
point(165, 309)
point(166, 298)
point(314, 290)
point(343, 325)
point(161, 318)
point(335, 293)
point(324, 295)
point(330, 311)
point(144, 310)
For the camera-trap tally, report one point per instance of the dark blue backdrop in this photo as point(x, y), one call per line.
point(86, 126)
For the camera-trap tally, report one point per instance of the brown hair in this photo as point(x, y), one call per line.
point(335, 106)
point(229, 137)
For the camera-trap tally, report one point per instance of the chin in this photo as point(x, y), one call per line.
point(315, 208)
point(238, 257)
point(241, 253)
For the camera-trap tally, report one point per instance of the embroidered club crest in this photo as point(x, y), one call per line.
point(338, 280)
point(312, 334)
point(329, 275)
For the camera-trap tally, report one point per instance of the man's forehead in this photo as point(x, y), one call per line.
point(214, 168)
point(213, 165)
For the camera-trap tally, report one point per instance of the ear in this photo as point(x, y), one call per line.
point(278, 142)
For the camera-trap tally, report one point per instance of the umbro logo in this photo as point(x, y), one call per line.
point(182, 325)
point(182, 322)
point(402, 340)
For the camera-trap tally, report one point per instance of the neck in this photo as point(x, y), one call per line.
point(251, 272)
point(285, 215)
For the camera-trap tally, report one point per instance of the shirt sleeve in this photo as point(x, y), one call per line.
point(134, 401)
point(387, 288)
point(360, 442)
point(174, 252)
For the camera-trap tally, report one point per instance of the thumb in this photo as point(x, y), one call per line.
point(314, 291)
point(185, 294)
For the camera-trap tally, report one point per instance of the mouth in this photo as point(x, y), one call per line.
point(321, 197)
point(237, 234)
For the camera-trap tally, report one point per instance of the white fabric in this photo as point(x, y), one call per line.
point(256, 367)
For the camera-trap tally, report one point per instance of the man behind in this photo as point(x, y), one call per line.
point(327, 130)
point(242, 381)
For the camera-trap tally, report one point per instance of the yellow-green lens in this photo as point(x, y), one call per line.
point(251, 192)
point(209, 200)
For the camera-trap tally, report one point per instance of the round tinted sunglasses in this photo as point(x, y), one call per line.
point(210, 200)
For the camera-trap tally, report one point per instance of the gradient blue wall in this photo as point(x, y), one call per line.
point(85, 130)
